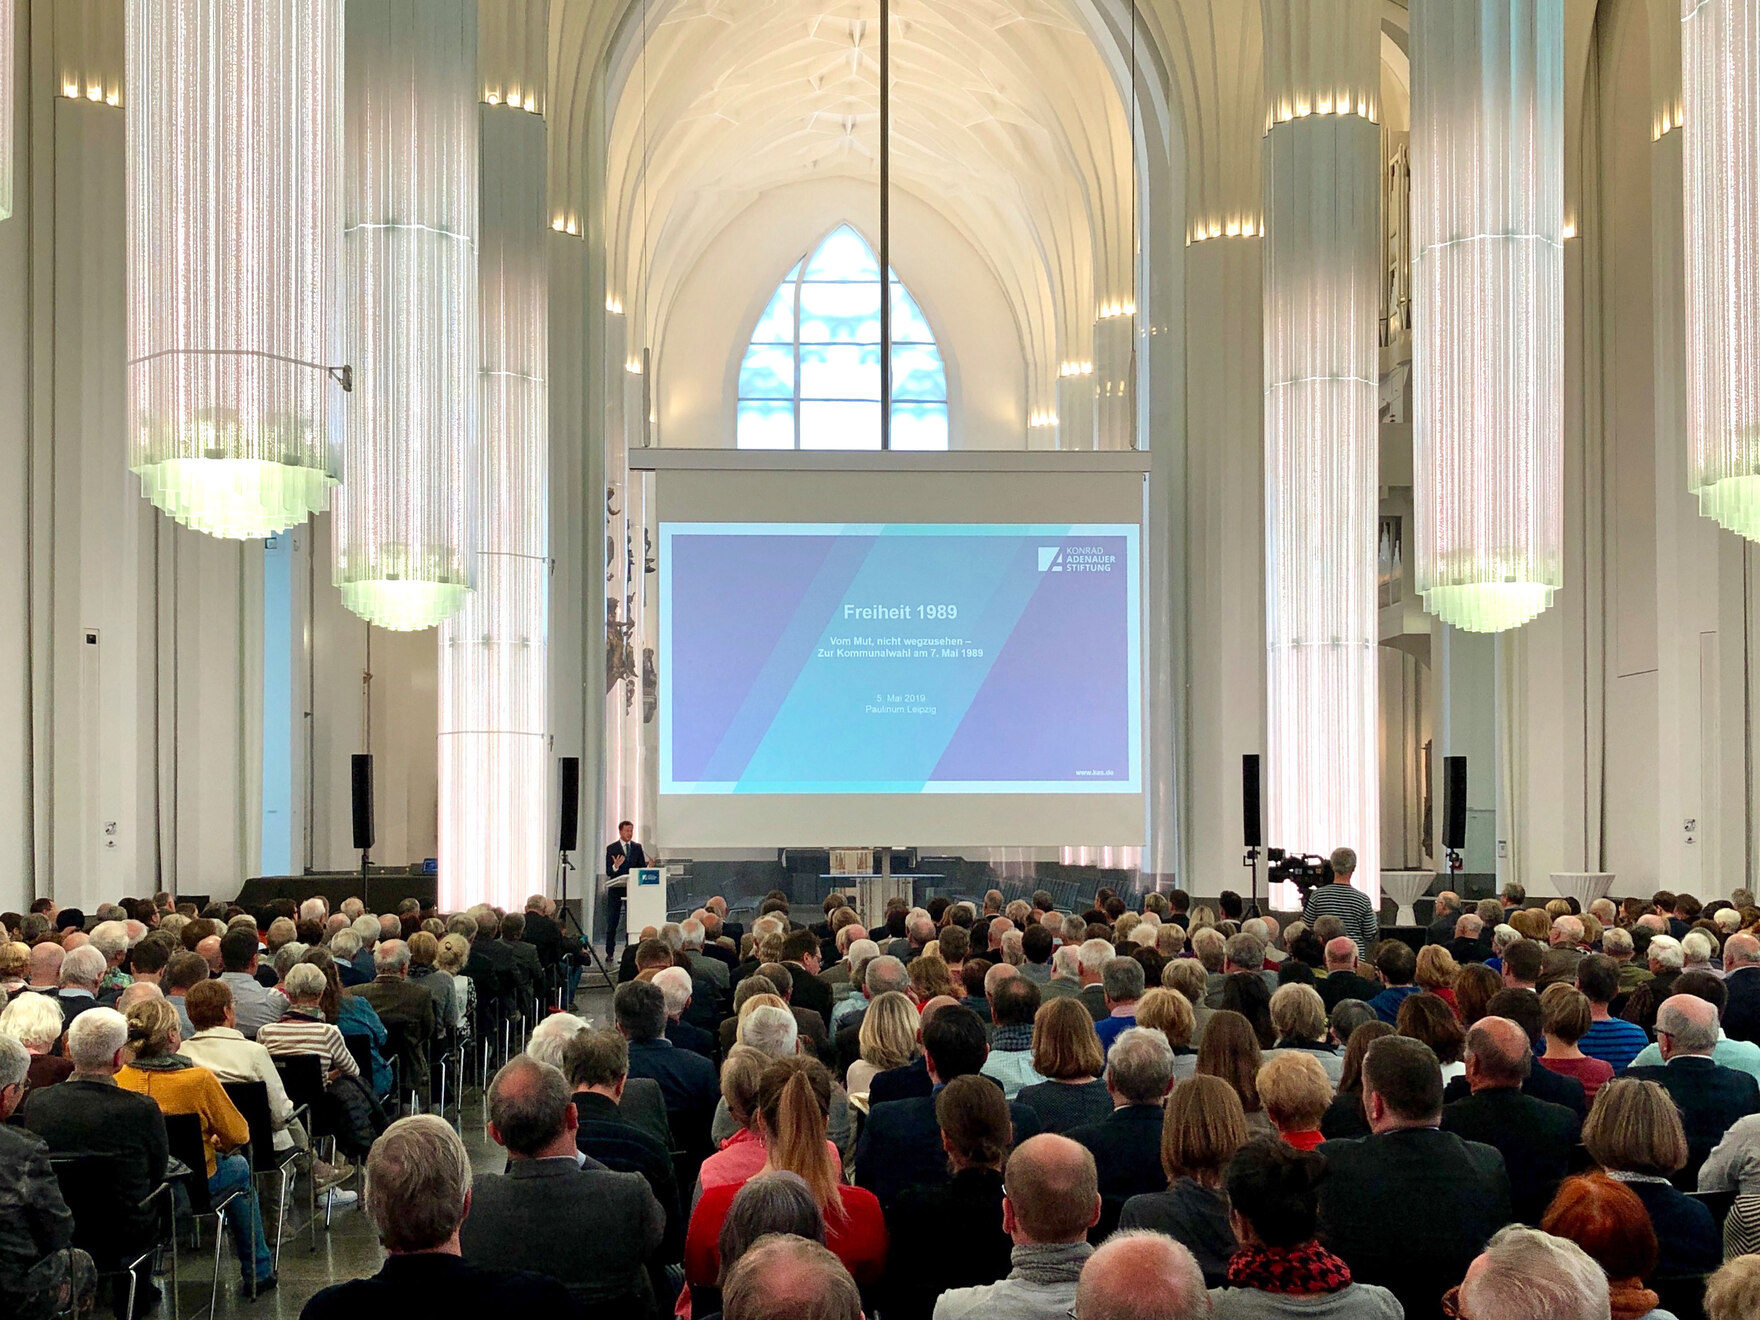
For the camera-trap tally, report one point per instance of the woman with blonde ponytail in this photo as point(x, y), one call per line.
point(157, 1071)
point(792, 1106)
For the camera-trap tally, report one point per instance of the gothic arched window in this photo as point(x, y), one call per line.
point(811, 376)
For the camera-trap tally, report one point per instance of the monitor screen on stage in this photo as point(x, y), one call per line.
point(900, 681)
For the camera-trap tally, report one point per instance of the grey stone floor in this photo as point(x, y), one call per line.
point(348, 1250)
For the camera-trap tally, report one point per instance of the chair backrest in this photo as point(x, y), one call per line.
point(1718, 1203)
point(303, 1077)
point(362, 1049)
point(183, 1135)
point(252, 1100)
point(88, 1185)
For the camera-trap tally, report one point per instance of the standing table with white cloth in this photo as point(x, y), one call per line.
point(1406, 888)
point(1584, 886)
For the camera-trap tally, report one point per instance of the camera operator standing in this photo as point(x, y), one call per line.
point(1349, 905)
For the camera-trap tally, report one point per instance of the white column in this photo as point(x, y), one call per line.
point(1321, 250)
point(494, 745)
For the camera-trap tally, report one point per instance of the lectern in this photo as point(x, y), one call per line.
point(645, 902)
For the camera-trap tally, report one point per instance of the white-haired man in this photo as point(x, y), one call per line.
point(1711, 1098)
point(43, 1267)
point(1095, 954)
point(676, 984)
point(81, 972)
point(1443, 917)
point(1066, 973)
point(89, 1114)
point(1741, 983)
point(1524, 1274)
point(110, 938)
point(1343, 981)
point(1127, 1143)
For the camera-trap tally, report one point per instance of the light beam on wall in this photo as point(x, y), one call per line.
point(1487, 152)
point(404, 521)
point(1322, 497)
point(1720, 65)
point(234, 221)
point(494, 745)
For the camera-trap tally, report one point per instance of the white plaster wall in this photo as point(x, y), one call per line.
point(15, 369)
point(706, 328)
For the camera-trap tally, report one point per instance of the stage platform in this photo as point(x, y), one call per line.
point(381, 892)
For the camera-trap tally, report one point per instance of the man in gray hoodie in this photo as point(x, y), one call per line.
point(1051, 1198)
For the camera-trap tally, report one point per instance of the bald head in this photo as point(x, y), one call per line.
point(996, 976)
point(783, 1276)
point(1686, 1025)
point(1740, 951)
point(1468, 927)
point(1497, 1053)
point(1051, 1191)
point(1141, 1276)
point(1341, 953)
point(933, 1007)
point(46, 963)
point(208, 948)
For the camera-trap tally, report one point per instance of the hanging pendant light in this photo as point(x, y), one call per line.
point(404, 515)
point(1488, 307)
point(233, 205)
point(1720, 83)
point(1321, 246)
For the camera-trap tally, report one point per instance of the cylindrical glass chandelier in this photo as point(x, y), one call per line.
point(404, 522)
point(1322, 184)
point(495, 843)
point(1720, 67)
point(234, 221)
point(1488, 307)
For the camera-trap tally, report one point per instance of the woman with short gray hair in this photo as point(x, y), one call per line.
point(35, 1022)
point(779, 1202)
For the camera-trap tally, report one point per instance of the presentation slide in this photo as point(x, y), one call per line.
point(899, 658)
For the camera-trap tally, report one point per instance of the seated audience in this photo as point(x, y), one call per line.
point(425, 971)
point(1610, 1038)
point(742, 1152)
point(1342, 979)
point(1525, 1274)
point(1298, 1019)
point(1474, 985)
point(901, 1144)
point(1200, 1134)
point(1742, 1055)
point(976, 1132)
point(1067, 1053)
point(591, 1229)
point(183, 973)
point(1567, 1020)
point(1534, 1136)
point(789, 1278)
point(1230, 1050)
point(1279, 1269)
point(1344, 1116)
point(686, 1078)
point(1709, 1096)
point(794, 1100)
point(1014, 1003)
point(1665, 962)
point(1141, 1276)
point(81, 971)
point(252, 1004)
point(1396, 965)
point(156, 1070)
point(35, 1022)
point(404, 1006)
point(1734, 1166)
point(1425, 1017)
point(1741, 982)
point(303, 1029)
point(41, 1271)
point(1126, 1145)
point(1635, 1135)
point(1608, 1221)
point(1051, 1200)
point(1171, 1013)
point(1296, 1093)
point(1121, 980)
point(1247, 993)
point(1523, 1008)
point(353, 1016)
point(419, 1176)
point(1445, 1195)
point(888, 1036)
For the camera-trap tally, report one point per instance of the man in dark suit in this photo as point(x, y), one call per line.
point(593, 1230)
point(1342, 980)
point(800, 954)
point(1522, 1007)
point(901, 1141)
point(1471, 942)
point(1443, 916)
point(1710, 1097)
point(406, 1009)
point(1093, 963)
point(597, 1064)
point(1534, 1137)
point(881, 974)
point(81, 971)
point(687, 1079)
point(1410, 1206)
point(1126, 1145)
point(89, 1114)
point(527, 964)
point(675, 984)
point(421, 1178)
point(623, 856)
point(1741, 984)
point(492, 969)
point(542, 932)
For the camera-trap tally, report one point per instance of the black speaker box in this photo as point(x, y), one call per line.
point(1252, 828)
point(569, 815)
point(1454, 798)
point(360, 768)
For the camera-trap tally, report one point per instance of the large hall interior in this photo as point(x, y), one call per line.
point(694, 568)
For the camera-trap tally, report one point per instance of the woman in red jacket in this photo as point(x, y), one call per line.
point(794, 1101)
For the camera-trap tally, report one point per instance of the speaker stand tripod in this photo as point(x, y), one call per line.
point(563, 867)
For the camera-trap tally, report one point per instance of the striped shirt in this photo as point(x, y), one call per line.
point(1615, 1041)
point(297, 1034)
point(1351, 906)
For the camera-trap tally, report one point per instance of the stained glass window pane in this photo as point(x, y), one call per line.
point(826, 316)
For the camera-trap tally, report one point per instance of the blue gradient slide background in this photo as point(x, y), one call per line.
point(767, 686)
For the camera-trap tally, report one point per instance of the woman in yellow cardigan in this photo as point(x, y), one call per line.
point(178, 1086)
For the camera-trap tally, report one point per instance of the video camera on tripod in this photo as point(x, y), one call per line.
point(1305, 871)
